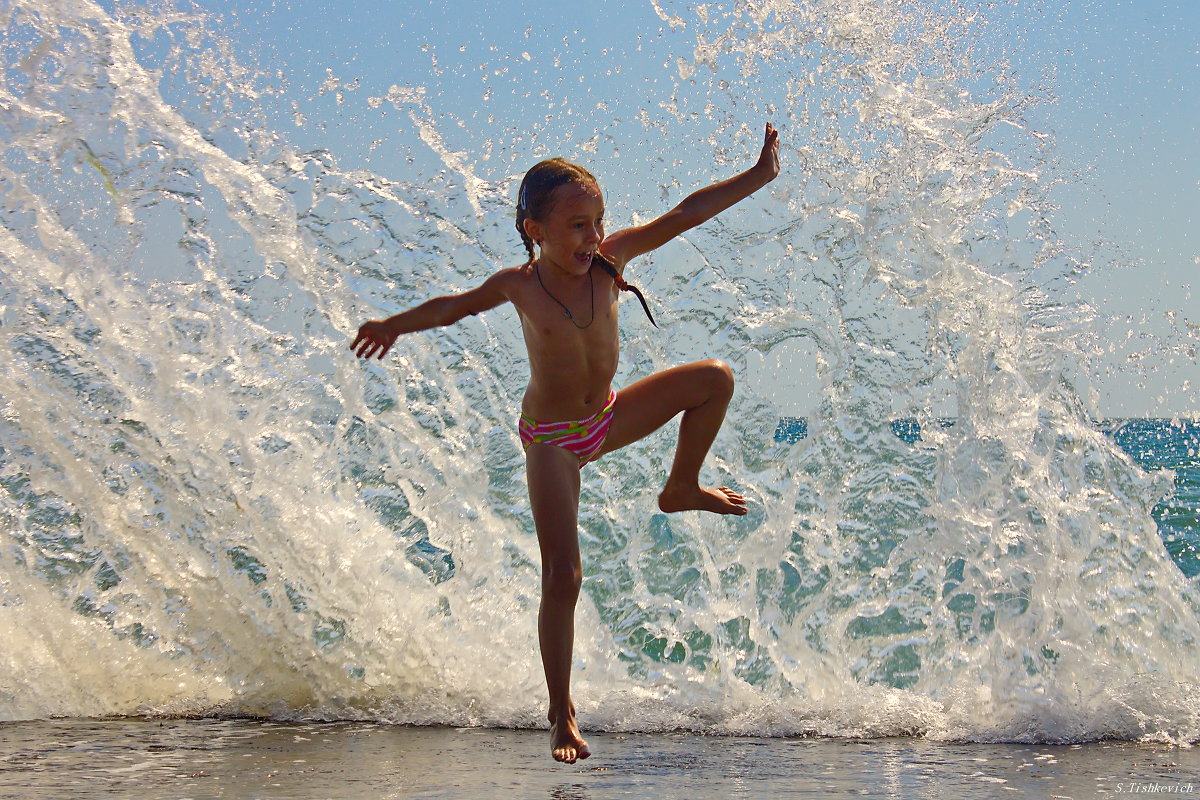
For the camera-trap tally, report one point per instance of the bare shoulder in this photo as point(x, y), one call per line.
point(499, 288)
point(513, 281)
point(624, 245)
point(615, 248)
point(511, 275)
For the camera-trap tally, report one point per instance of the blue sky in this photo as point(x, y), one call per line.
point(1128, 121)
point(1125, 124)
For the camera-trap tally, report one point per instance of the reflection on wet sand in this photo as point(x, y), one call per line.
point(205, 758)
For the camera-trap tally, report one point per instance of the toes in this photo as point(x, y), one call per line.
point(733, 497)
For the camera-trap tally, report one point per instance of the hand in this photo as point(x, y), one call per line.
point(374, 336)
point(768, 160)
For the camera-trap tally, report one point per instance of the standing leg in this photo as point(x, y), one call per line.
point(702, 392)
point(553, 475)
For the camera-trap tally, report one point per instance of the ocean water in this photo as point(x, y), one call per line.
point(1154, 444)
point(208, 508)
point(1170, 445)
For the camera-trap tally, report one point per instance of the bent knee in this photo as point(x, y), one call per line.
point(719, 375)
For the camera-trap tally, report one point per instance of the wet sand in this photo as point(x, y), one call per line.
point(244, 759)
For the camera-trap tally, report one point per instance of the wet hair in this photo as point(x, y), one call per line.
point(535, 200)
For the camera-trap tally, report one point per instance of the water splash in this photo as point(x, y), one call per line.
point(205, 493)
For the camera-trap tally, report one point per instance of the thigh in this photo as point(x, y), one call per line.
point(645, 406)
point(553, 475)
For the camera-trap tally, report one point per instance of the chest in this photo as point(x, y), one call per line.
point(586, 315)
point(565, 335)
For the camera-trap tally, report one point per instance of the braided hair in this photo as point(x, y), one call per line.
point(535, 201)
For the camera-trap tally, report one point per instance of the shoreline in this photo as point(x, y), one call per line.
point(201, 758)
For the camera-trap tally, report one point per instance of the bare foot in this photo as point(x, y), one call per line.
point(566, 744)
point(722, 500)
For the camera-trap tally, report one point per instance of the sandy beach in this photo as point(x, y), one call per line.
point(247, 759)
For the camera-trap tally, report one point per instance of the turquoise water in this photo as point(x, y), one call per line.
point(1155, 444)
point(1162, 444)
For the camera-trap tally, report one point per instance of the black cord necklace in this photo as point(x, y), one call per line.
point(566, 311)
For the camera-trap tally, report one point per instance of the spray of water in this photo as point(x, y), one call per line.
point(209, 507)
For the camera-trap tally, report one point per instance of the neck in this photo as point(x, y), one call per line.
point(548, 268)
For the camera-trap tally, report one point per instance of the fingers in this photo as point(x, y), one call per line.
point(768, 158)
point(373, 339)
point(367, 346)
point(371, 348)
point(770, 141)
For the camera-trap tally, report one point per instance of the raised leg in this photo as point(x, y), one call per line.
point(553, 475)
point(702, 392)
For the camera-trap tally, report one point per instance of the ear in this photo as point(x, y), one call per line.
point(533, 230)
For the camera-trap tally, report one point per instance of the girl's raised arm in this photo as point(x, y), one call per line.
point(697, 207)
point(378, 336)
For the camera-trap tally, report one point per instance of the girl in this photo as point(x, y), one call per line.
point(566, 296)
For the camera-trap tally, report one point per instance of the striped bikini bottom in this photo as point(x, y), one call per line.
point(584, 438)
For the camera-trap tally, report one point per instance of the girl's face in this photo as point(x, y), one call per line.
point(573, 230)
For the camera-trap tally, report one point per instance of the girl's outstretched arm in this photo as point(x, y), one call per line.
point(377, 336)
point(698, 207)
